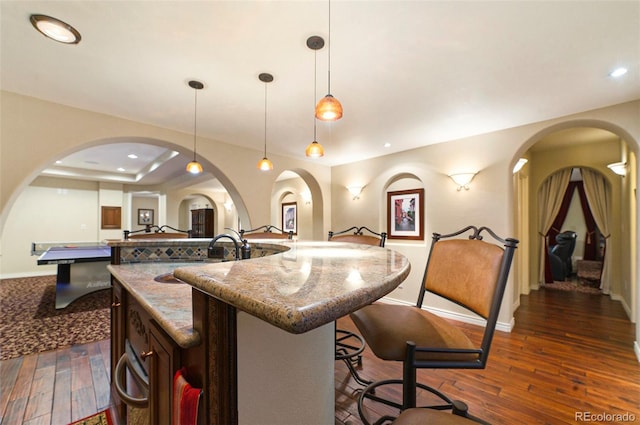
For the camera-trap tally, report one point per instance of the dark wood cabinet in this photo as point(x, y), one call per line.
point(202, 223)
point(164, 358)
point(117, 337)
point(157, 353)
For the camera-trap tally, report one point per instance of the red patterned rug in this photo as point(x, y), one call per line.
point(30, 323)
point(100, 418)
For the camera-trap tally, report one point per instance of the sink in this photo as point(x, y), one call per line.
point(167, 278)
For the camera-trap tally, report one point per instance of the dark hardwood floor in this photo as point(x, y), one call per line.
point(569, 354)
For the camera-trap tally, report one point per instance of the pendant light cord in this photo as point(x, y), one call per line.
point(315, 84)
point(195, 122)
point(265, 119)
point(329, 52)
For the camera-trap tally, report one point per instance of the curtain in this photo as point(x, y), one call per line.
point(591, 241)
point(550, 198)
point(598, 197)
point(556, 227)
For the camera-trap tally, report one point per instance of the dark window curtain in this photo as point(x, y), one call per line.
point(556, 228)
point(591, 241)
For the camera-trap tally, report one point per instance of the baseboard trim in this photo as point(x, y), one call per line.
point(465, 318)
point(26, 274)
point(636, 349)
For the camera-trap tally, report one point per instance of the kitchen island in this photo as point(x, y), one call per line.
point(258, 335)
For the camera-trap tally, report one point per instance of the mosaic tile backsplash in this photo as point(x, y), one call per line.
point(174, 251)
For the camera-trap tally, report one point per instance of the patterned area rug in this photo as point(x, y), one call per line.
point(30, 323)
point(572, 286)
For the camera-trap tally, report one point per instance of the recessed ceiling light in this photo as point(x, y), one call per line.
point(120, 169)
point(55, 29)
point(618, 72)
point(387, 145)
point(132, 156)
point(58, 162)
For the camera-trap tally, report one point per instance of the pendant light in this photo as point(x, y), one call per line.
point(194, 166)
point(329, 108)
point(264, 164)
point(315, 43)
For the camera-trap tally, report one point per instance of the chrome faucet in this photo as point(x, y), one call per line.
point(211, 253)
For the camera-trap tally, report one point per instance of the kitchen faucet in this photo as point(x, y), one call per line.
point(245, 248)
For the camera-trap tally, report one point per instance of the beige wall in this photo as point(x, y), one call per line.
point(490, 200)
point(65, 129)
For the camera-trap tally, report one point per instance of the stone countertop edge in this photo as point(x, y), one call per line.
point(169, 304)
point(312, 284)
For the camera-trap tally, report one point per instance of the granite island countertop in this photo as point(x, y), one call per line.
point(300, 289)
point(310, 285)
point(169, 304)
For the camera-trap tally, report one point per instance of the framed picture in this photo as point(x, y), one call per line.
point(290, 217)
point(145, 216)
point(405, 216)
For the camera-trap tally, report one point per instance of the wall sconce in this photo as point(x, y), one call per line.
point(355, 191)
point(228, 205)
point(620, 168)
point(462, 180)
point(519, 164)
point(306, 196)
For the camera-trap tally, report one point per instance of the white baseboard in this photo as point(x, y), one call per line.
point(465, 318)
point(636, 349)
point(625, 306)
point(26, 274)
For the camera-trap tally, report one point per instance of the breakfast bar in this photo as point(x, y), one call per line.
point(258, 335)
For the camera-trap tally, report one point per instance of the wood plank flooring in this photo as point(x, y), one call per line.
point(569, 354)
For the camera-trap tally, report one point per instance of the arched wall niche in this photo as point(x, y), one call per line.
point(299, 186)
point(397, 182)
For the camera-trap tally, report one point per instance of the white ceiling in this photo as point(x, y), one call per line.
point(408, 73)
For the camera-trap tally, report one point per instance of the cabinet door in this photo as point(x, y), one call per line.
point(117, 336)
point(165, 361)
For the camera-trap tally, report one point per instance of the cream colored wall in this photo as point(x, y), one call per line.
point(490, 200)
point(65, 129)
point(48, 210)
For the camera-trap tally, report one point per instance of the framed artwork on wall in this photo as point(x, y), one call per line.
point(145, 216)
point(290, 217)
point(405, 215)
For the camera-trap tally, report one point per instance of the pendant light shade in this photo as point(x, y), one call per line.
point(194, 167)
point(264, 164)
point(329, 108)
point(315, 149)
